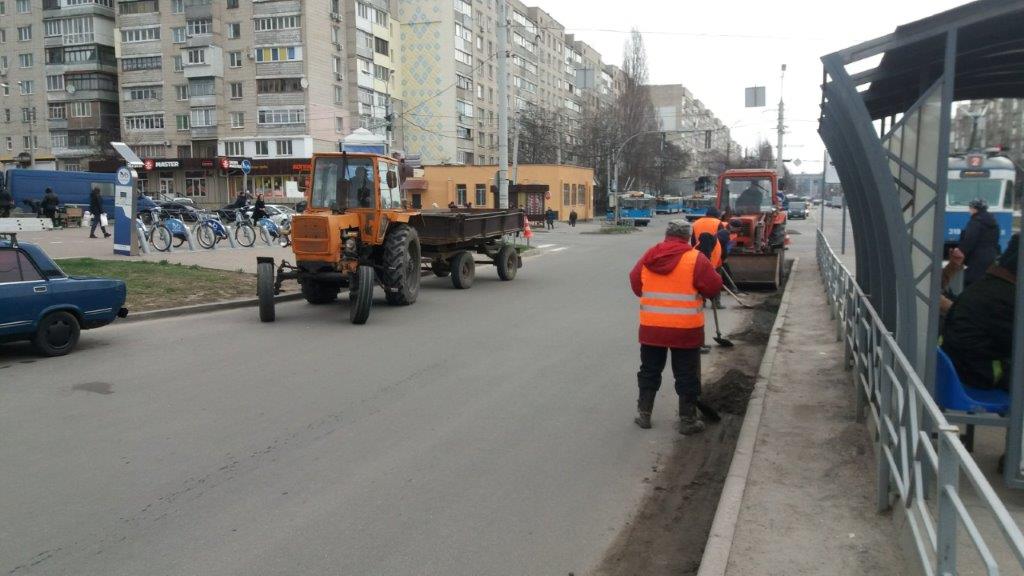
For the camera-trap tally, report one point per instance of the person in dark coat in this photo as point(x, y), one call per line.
point(259, 209)
point(978, 332)
point(550, 216)
point(96, 209)
point(573, 216)
point(6, 203)
point(979, 241)
point(671, 281)
point(49, 205)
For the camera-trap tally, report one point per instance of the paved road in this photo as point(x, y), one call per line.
point(479, 432)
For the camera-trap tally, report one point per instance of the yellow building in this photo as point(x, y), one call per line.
point(538, 187)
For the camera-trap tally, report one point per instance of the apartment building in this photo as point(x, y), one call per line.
point(696, 130)
point(1001, 123)
point(58, 82)
point(206, 83)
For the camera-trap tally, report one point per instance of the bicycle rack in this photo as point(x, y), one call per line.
point(143, 241)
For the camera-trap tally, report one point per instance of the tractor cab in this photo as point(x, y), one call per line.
point(750, 204)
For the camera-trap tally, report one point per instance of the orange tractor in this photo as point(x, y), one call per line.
point(750, 204)
point(358, 232)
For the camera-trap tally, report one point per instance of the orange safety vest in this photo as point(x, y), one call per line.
point(710, 225)
point(670, 300)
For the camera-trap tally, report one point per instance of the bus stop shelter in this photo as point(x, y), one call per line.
point(886, 116)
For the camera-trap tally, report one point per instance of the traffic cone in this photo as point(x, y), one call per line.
point(527, 231)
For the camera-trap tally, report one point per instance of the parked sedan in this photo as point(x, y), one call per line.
point(42, 304)
point(180, 210)
point(279, 213)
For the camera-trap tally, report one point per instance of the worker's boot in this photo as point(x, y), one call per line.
point(644, 406)
point(689, 420)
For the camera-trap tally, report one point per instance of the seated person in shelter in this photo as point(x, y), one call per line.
point(978, 332)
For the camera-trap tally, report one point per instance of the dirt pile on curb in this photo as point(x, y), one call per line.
point(730, 392)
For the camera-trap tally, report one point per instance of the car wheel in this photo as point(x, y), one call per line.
point(57, 334)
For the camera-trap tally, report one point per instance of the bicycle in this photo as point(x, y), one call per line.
point(209, 230)
point(270, 230)
point(163, 231)
point(245, 232)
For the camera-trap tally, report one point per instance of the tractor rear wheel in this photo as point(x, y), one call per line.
point(360, 294)
point(319, 292)
point(463, 270)
point(401, 276)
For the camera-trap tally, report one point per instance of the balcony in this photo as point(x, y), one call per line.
point(57, 124)
point(280, 129)
point(278, 37)
point(287, 99)
point(146, 48)
point(201, 40)
point(76, 152)
point(203, 132)
point(198, 9)
point(272, 8)
point(87, 9)
point(155, 75)
point(201, 101)
point(290, 69)
point(135, 20)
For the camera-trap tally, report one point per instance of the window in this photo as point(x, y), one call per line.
point(381, 73)
point(204, 116)
point(363, 11)
point(57, 111)
point(284, 54)
point(16, 267)
point(196, 56)
point(263, 148)
point(141, 63)
point(278, 85)
point(381, 46)
point(181, 92)
point(181, 122)
point(234, 59)
point(282, 116)
point(335, 34)
point(140, 7)
point(177, 6)
point(284, 147)
point(234, 30)
point(179, 64)
point(464, 108)
point(238, 119)
point(381, 18)
point(199, 27)
point(143, 93)
point(565, 195)
point(178, 35)
point(201, 87)
point(464, 7)
point(460, 194)
point(3, 34)
point(51, 28)
point(7, 115)
point(235, 148)
point(463, 82)
point(232, 4)
point(195, 184)
point(95, 81)
point(464, 57)
point(144, 122)
point(25, 60)
point(339, 124)
point(463, 133)
point(81, 109)
point(28, 115)
point(24, 33)
point(364, 66)
point(58, 140)
point(27, 87)
point(276, 23)
point(481, 195)
point(480, 91)
point(339, 94)
point(236, 90)
point(10, 143)
point(140, 34)
point(24, 6)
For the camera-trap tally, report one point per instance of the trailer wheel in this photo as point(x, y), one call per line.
point(319, 292)
point(440, 268)
point(401, 265)
point(265, 291)
point(360, 295)
point(507, 262)
point(463, 270)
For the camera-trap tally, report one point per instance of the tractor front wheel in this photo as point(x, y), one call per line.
point(361, 294)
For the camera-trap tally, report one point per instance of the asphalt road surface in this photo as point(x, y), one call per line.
point(486, 431)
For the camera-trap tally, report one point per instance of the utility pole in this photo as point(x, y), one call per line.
point(779, 166)
point(515, 150)
point(503, 106)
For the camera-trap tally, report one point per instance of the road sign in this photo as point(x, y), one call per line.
point(755, 97)
point(246, 166)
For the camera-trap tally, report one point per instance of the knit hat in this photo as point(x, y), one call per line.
point(978, 204)
point(680, 228)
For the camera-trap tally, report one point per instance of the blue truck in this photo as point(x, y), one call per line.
point(73, 188)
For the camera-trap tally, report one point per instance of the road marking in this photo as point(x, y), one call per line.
point(545, 246)
point(558, 249)
point(56, 242)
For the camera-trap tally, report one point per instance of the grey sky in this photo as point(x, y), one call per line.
point(713, 48)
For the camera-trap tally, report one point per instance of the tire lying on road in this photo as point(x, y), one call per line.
point(265, 291)
point(401, 277)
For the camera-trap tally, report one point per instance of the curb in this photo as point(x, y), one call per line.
point(723, 529)
point(202, 308)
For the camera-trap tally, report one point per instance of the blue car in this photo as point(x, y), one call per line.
point(40, 303)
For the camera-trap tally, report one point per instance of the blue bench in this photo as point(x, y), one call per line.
point(970, 406)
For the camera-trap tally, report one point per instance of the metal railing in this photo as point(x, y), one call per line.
point(921, 459)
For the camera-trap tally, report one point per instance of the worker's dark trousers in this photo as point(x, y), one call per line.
point(685, 368)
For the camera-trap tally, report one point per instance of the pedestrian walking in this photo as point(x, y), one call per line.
point(6, 203)
point(49, 205)
point(573, 216)
point(672, 279)
point(550, 216)
point(96, 208)
point(979, 241)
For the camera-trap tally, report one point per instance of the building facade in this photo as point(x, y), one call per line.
point(695, 128)
point(58, 82)
point(273, 81)
point(1001, 123)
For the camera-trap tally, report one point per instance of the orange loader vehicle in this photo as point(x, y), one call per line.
point(358, 232)
point(749, 202)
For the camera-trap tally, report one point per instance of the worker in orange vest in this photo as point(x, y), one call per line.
point(672, 280)
point(716, 247)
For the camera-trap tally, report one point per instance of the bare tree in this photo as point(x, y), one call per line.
point(539, 133)
point(636, 112)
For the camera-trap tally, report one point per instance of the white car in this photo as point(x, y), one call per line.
point(279, 212)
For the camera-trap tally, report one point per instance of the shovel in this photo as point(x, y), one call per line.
point(723, 342)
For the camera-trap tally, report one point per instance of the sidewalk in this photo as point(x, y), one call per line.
point(808, 506)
